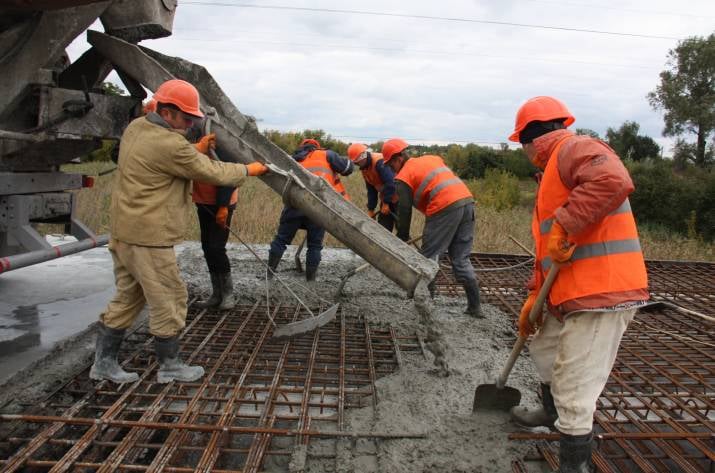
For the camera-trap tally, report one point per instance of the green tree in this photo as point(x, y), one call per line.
point(110, 88)
point(629, 144)
point(587, 132)
point(687, 92)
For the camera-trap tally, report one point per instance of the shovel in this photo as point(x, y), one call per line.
point(499, 396)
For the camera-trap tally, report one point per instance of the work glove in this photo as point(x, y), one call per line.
point(206, 143)
point(525, 328)
point(371, 213)
point(385, 209)
point(222, 217)
point(559, 247)
point(256, 169)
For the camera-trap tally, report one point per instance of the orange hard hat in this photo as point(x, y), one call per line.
point(180, 93)
point(540, 109)
point(310, 141)
point(150, 106)
point(392, 147)
point(355, 150)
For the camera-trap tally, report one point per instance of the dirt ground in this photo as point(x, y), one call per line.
point(418, 398)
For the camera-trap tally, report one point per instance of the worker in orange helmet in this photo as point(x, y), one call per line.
point(330, 166)
point(583, 222)
point(149, 203)
point(379, 181)
point(432, 188)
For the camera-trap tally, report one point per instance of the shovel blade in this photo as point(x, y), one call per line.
point(308, 325)
point(490, 397)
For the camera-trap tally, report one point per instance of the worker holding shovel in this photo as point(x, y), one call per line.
point(379, 182)
point(582, 223)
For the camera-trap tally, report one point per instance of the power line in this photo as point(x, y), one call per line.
point(427, 17)
point(414, 51)
point(631, 10)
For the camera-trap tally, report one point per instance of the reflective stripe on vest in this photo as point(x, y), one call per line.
point(608, 256)
point(545, 226)
point(434, 185)
point(594, 250)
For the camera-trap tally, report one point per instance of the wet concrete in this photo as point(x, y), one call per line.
point(47, 303)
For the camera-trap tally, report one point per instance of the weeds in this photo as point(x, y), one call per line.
point(258, 210)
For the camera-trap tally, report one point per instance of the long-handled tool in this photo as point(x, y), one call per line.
point(294, 328)
point(498, 396)
point(360, 268)
point(298, 264)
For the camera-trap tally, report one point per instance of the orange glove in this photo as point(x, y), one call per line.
point(371, 213)
point(222, 216)
point(559, 247)
point(385, 209)
point(256, 169)
point(525, 328)
point(206, 143)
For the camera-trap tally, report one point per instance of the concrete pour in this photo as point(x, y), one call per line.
point(418, 398)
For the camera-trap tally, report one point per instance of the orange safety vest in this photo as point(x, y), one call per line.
point(373, 178)
point(608, 256)
point(434, 186)
point(205, 193)
point(317, 163)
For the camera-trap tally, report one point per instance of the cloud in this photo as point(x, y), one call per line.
point(433, 79)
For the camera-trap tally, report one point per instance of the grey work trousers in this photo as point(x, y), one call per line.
point(451, 230)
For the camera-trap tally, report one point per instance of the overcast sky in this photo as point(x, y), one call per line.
point(366, 77)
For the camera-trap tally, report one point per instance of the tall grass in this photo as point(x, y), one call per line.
point(258, 210)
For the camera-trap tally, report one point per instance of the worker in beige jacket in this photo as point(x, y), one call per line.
point(150, 202)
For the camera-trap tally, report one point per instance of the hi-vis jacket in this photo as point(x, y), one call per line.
point(317, 163)
point(152, 187)
point(379, 180)
point(434, 186)
point(585, 187)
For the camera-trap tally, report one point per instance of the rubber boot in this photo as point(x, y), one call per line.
point(310, 272)
point(228, 301)
point(471, 287)
point(171, 368)
point(105, 357)
point(215, 298)
point(575, 453)
point(273, 260)
point(543, 416)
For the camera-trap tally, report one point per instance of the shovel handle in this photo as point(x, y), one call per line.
point(535, 311)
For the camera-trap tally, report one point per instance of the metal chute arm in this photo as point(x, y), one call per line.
point(239, 139)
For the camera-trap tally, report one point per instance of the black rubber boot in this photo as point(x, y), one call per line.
point(471, 287)
point(215, 298)
point(228, 301)
point(105, 357)
point(575, 453)
point(544, 416)
point(171, 368)
point(273, 260)
point(310, 272)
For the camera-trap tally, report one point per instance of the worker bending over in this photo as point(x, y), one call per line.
point(432, 188)
point(330, 166)
point(582, 221)
point(149, 204)
point(379, 181)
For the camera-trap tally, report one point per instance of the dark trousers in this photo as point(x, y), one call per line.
point(291, 221)
point(386, 221)
point(214, 238)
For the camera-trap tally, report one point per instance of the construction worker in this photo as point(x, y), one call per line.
point(149, 204)
point(582, 221)
point(328, 165)
point(379, 181)
point(432, 188)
